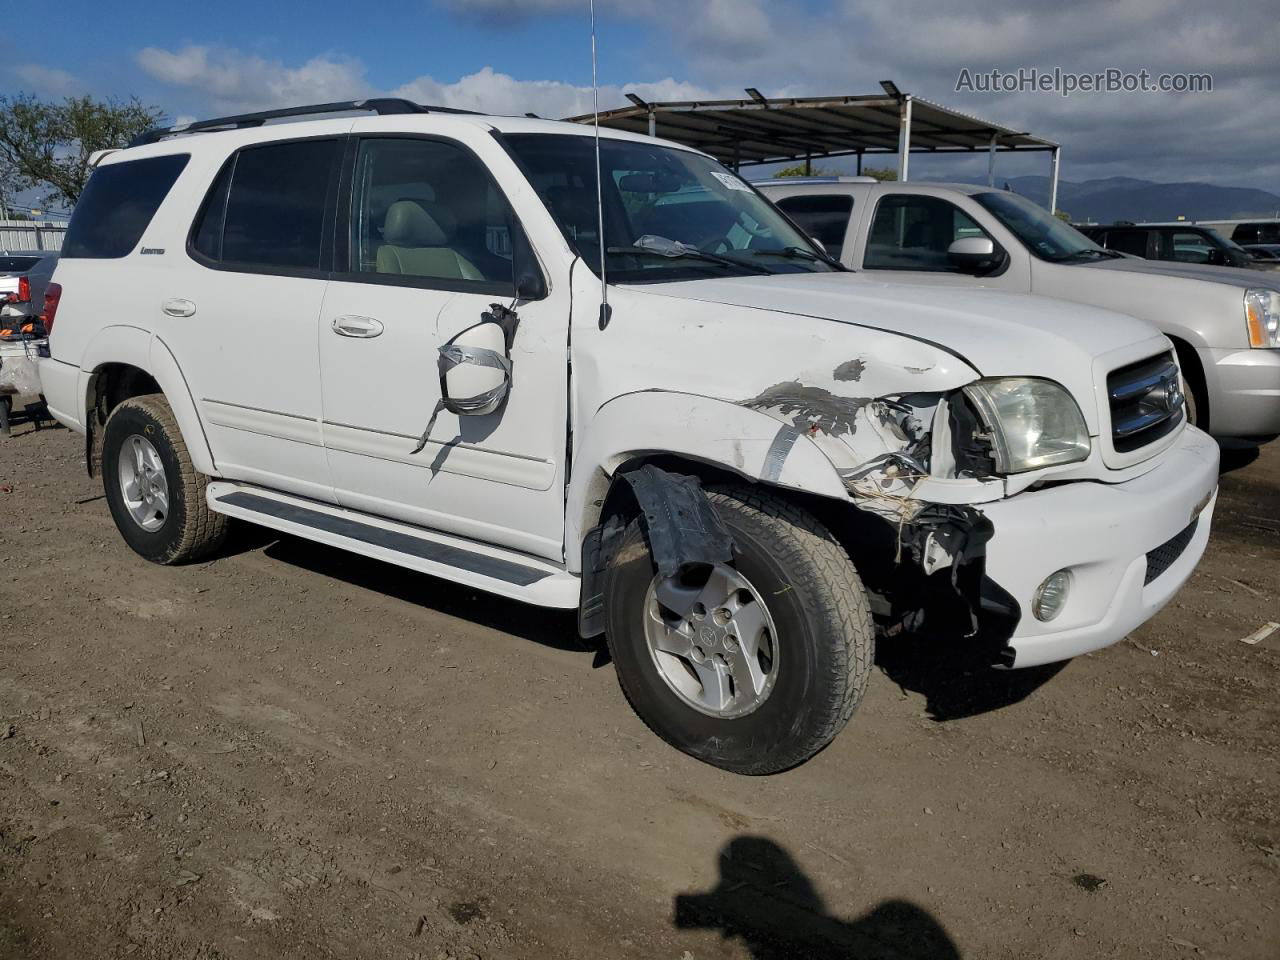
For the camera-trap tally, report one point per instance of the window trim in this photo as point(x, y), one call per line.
point(324, 270)
point(346, 201)
point(1005, 258)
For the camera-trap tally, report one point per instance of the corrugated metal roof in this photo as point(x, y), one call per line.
point(780, 129)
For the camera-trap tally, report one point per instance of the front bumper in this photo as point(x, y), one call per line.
point(1102, 533)
point(1244, 391)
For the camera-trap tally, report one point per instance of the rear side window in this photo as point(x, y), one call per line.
point(1128, 241)
point(826, 218)
point(17, 264)
point(117, 204)
point(267, 208)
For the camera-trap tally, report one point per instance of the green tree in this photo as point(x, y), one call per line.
point(798, 170)
point(48, 144)
point(883, 174)
point(1062, 215)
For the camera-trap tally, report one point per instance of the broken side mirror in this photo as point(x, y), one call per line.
point(526, 275)
point(475, 370)
point(973, 254)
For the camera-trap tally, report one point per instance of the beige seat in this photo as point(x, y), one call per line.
point(416, 244)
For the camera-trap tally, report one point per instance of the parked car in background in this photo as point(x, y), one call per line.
point(726, 471)
point(24, 276)
point(1268, 253)
point(1183, 244)
point(1260, 231)
point(1224, 322)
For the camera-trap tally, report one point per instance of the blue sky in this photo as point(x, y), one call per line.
point(517, 55)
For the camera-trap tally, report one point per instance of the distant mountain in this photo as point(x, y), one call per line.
point(1128, 198)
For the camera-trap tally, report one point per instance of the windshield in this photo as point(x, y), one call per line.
point(1040, 231)
point(668, 214)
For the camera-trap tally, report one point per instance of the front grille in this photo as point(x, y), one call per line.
point(1146, 402)
point(1162, 557)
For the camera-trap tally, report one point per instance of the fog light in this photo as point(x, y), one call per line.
point(1051, 596)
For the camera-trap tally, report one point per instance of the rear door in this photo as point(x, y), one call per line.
point(424, 248)
point(240, 316)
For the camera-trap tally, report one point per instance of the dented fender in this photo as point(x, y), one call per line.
point(718, 432)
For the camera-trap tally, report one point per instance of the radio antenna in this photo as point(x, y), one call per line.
point(605, 312)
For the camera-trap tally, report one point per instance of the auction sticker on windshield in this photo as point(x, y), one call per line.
point(730, 181)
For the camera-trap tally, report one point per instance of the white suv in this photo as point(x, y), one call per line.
point(387, 334)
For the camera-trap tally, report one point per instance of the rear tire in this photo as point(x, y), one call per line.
point(818, 663)
point(156, 497)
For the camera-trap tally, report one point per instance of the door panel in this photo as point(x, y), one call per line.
point(428, 251)
point(240, 316)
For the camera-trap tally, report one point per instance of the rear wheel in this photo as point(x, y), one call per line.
point(753, 666)
point(156, 497)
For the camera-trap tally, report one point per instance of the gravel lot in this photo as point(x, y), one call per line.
point(293, 752)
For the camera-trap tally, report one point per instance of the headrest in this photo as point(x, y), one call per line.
point(409, 225)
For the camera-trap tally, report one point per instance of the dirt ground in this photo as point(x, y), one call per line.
point(294, 752)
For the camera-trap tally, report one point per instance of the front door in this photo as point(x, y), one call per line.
point(423, 249)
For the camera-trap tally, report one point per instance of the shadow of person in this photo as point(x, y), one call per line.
point(957, 683)
point(765, 901)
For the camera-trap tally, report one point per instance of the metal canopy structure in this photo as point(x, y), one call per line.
point(760, 129)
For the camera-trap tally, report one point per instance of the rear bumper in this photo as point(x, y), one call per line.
point(60, 383)
point(1102, 533)
point(1244, 391)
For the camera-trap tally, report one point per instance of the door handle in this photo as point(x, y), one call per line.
point(361, 327)
point(177, 307)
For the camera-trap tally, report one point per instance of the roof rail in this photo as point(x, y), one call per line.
point(379, 105)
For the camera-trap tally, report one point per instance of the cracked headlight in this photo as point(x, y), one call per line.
point(1033, 423)
point(1262, 317)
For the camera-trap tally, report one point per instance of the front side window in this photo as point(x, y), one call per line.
point(266, 210)
point(915, 232)
point(669, 214)
point(118, 204)
point(1046, 236)
point(429, 210)
point(824, 217)
point(1189, 247)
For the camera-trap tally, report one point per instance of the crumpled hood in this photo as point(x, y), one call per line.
point(995, 333)
point(1232, 276)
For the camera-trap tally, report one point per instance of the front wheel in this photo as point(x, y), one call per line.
point(753, 666)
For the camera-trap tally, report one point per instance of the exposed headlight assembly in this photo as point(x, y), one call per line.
point(1033, 423)
point(1262, 317)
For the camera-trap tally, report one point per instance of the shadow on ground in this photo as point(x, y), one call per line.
point(955, 682)
point(767, 903)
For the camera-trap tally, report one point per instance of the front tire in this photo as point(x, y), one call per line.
point(155, 495)
point(762, 678)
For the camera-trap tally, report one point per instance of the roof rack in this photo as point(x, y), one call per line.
point(380, 105)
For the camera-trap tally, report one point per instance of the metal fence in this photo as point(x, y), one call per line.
point(31, 234)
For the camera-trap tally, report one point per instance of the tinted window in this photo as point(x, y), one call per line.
point(914, 232)
point(17, 264)
point(118, 203)
point(1128, 241)
point(826, 218)
point(430, 210)
point(274, 208)
point(1188, 247)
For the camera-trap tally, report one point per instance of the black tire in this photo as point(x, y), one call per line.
point(825, 642)
point(6, 411)
point(190, 530)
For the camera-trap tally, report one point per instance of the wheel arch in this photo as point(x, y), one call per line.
point(126, 361)
point(716, 440)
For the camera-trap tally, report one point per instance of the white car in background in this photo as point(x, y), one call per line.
point(1224, 322)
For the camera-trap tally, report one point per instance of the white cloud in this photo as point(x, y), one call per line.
point(49, 81)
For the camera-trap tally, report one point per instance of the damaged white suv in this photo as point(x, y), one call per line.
point(386, 333)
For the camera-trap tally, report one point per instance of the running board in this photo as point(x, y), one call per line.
point(493, 569)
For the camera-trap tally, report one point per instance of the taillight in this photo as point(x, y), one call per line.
point(52, 294)
point(24, 290)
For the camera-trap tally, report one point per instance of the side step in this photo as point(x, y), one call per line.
point(493, 569)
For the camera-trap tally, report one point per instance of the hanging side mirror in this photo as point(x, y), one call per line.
point(475, 370)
